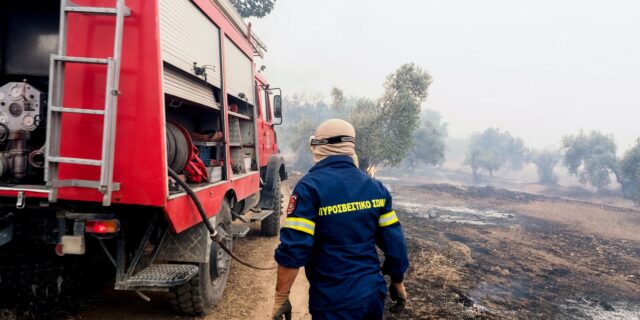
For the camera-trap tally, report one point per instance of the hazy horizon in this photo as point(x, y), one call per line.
point(539, 69)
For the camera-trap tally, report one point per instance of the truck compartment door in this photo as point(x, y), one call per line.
point(187, 37)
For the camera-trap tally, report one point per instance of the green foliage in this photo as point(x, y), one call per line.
point(630, 173)
point(385, 128)
point(363, 115)
point(545, 161)
point(492, 149)
point(253, 8)
point(410, 79)
point(590, 157)
point(429, 147)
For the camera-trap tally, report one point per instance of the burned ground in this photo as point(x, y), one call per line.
point(527, 263)
point(476, 253)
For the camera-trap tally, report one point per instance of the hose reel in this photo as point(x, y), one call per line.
point(178, 146)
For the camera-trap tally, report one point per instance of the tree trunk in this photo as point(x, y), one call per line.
point(623, 183)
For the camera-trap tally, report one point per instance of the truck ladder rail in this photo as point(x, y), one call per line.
point(105, 185)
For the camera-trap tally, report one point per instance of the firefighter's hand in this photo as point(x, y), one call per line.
point(398, 295)
point(281, 307)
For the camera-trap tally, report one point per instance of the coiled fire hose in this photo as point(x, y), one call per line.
point(215, 236)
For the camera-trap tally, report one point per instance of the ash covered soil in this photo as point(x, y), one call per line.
point(486, 253)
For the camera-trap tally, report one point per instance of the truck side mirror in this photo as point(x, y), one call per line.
point(277, 107)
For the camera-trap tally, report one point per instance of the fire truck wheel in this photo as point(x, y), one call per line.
point(199, 295)
point(270, 226)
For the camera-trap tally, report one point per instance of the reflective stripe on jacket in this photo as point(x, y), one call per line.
point(336, 217)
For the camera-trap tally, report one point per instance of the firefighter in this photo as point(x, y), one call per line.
point(336, 217)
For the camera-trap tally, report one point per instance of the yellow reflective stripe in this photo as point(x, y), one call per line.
point(300, 224)
point(387, 219)
point(303, 220)
point(299, 228)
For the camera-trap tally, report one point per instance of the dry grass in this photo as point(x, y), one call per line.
point(589, 218)
point(438, 267)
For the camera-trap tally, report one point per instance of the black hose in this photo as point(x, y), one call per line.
point(212, 231)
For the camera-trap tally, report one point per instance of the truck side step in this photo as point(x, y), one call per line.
point(162, 275)
point(239, 230)
point(259, 216)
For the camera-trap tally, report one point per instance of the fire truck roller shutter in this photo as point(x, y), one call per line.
point(187, 36)
point(238, 72)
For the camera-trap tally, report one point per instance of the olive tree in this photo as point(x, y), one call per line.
point(253, 8)
point(591, 157)
point(385, 127)
point(492, 149)
point(429, 147)
point(546, 161)
point(629, 173)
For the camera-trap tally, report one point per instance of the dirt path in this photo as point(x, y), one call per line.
point(249, 293)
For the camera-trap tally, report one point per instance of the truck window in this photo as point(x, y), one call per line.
point(268, 100)
point(262, 101)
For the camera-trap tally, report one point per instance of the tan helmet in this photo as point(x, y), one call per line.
point(334, 137)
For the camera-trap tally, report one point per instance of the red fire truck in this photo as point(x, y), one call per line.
point(118, 119)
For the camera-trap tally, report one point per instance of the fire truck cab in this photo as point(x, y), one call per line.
point(100, 102)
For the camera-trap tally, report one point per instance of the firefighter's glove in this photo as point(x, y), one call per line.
point(281, 307)
point(398, 294)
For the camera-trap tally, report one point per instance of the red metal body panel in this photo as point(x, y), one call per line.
point(266, 133)
point(29, 193)
point(183, 213)
point(140, 163)
point(140, 151)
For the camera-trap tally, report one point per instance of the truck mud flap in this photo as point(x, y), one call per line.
point(6, 231)
point(267, 193)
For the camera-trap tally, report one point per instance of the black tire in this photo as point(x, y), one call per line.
point(270, 226)
point(198, 296)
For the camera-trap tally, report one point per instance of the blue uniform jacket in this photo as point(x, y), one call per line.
point(335, 218)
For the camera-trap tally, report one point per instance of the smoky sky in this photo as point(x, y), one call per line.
point(539, 69)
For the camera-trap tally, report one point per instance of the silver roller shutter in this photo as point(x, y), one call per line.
point(238, 71)
point(188, 36)
point(178, 84)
